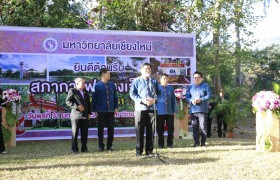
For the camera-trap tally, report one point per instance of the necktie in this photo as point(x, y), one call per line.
point(82, 93)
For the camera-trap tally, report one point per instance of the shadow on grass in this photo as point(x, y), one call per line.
point(30, 151)
point(132, 162)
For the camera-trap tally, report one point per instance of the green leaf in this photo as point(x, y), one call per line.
point(276, 88)
point(6, 134)
point(10, 117)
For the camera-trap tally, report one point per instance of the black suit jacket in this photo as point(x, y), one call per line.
point(74, 98)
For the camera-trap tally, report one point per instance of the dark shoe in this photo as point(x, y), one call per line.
point(4, 152)
point(86, 151)
point(195, 145)
point(224, 134)
point(171, 146)
point(101, 149)
point(138, 154)
point(203, 145)
point(110, 149)
point(149, 153)
point(75, 151)
point(160, 146)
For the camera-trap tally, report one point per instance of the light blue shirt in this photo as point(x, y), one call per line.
point(166, 103)
point(201, 91)
point(142, 88)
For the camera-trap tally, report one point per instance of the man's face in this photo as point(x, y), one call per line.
point(163, 80)
point(107, 75)
point(197, 79)
point(81, 85)
point(146, 71)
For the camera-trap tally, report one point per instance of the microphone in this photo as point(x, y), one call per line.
point(152, 87)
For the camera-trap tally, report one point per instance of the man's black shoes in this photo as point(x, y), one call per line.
point(149, 153)
point(110, 149)
point(85, 151)
point(195, 145)
point(170, 146)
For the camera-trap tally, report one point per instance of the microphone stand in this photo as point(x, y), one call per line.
point(156, 155)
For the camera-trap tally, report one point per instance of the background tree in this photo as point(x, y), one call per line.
point(42, 13)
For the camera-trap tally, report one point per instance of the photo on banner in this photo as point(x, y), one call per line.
point(22, 68)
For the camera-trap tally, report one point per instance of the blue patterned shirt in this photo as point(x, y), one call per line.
point(201, 91)
point(104, 97)
point(166, 103)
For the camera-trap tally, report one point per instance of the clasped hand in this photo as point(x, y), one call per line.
point(197, 101)
point(148, 101)
point(81, 108)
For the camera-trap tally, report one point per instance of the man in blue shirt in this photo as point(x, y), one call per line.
point(197, 96)
point(105, 103)
point(143, 91)
point(166, 108)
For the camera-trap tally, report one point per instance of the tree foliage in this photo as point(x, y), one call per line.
point(265, 68)
point(41, 13)
point(221, 28)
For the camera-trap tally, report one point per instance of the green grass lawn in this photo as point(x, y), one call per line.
point(221, 159)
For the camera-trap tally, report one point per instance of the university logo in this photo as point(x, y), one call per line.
point(50, 44)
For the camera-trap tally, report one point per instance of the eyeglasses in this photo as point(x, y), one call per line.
point(196, 77)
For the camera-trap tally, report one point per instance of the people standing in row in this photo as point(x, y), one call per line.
point(143, 91)
point(166, 109)
point(105, 104)
point(197, 96)
point(79, 102)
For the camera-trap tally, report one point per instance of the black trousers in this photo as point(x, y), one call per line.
point(2, 144)
point(79, 124)
point(169, 120)
point(199, 122)
point(105, 119)
point(221, 122)
point(144, 120)
point(209, 123)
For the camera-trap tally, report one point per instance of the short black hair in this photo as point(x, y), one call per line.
point(145, 64)
point(164, 74)
point(103, 71)
point(197, 72)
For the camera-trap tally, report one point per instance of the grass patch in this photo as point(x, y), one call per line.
point(221, 159)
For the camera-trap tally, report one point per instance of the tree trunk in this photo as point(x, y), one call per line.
point(216, 44)
point(237, 11)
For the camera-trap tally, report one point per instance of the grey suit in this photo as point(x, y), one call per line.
point(79, 120)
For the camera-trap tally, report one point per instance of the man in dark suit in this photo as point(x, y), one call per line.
point(79, 102)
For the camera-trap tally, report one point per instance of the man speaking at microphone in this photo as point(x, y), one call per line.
point(143, 91)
